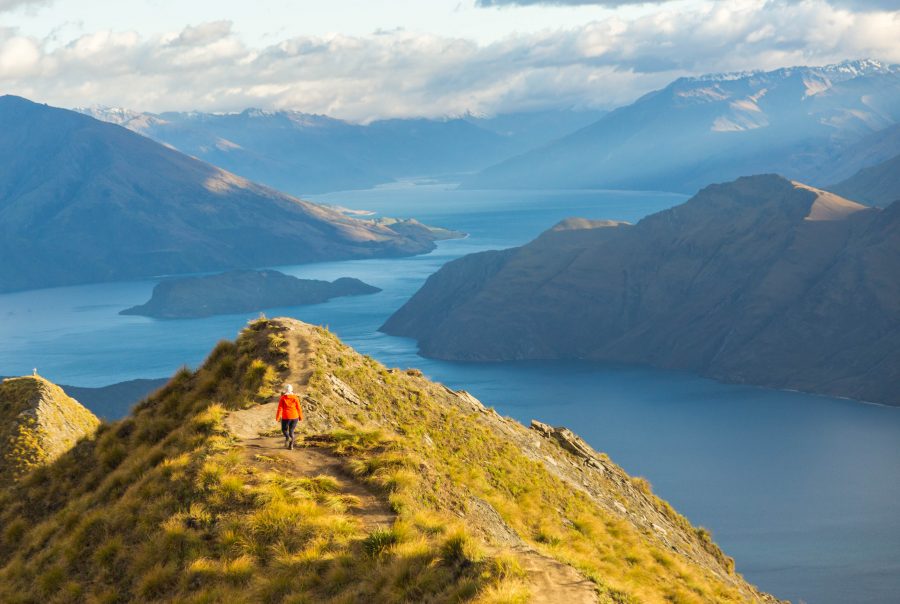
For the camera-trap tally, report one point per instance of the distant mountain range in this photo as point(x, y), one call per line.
point(302, 153)
point(761, 280)
point(815, 124)
point(86, 201)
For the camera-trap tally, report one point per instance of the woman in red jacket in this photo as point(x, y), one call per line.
point(289, 412)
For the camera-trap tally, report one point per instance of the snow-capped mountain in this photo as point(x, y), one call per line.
point(133, 120)
point(795, 121)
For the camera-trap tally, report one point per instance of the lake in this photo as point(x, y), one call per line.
point(803, 490)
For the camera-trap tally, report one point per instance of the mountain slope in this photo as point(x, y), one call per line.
point(283, 150)
point(302, 153)
point(194, 499)
point(531, 129)
point(714, 128)
point(760, 280)
point(86, 201)
point(38, 423)
point(878, 185)
point(114, 400)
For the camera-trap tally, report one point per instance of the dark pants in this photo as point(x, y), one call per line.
point(287, 428)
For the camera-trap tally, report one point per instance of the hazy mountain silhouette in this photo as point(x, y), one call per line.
point(796, 121)
point(877, 185)
point(303, 153)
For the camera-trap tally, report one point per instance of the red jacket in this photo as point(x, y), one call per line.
point(288, 407)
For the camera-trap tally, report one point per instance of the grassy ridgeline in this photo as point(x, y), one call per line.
point(161, 507)
point(445, 458)
point(38, 423)
point(166, 506)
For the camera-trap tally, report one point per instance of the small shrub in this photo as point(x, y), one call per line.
point(642, 485)
point(379, 541)
point(458, 548)
point(240, 570)
point(157, 581)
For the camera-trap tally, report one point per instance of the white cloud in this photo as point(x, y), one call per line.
point(8, 5)
point(18, 56)
point(610, 3)
point(402, 73)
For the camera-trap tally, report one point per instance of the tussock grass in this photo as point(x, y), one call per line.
point(435, 456)
point(160, 507)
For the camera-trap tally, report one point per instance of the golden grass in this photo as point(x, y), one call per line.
point(439, 455)
point(161, 507)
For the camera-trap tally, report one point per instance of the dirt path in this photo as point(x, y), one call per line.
point(368, 507)
point(258, 434)
point(550, 581)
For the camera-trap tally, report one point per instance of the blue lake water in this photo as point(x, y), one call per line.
point(803, 490)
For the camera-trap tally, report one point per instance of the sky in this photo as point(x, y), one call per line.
point(367, 59)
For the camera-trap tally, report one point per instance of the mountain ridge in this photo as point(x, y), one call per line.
point(39, 422)
point(876, 185)
point(761, 281)
point(794, 121)
point(305, 153)
point(380, 501)
point(84, 201)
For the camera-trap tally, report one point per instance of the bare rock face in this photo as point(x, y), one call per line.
point(39, 423)
point(761, 280)
point(569, 441)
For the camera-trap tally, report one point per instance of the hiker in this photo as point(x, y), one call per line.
point(289, 412)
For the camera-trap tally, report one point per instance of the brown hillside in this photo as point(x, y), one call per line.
point(760, 280)
point(401, 491)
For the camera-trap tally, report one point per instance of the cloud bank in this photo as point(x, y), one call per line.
point(397, 73)
point(8, 5)
point(853, 4)
point(610, 3)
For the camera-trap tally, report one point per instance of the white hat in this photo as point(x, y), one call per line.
point(289, 389)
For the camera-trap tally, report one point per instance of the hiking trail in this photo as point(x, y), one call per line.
point(259, 435)
point(549, 581)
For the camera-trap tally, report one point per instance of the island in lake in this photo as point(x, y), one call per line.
point(241, 291)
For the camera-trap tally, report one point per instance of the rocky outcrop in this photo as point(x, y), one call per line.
point(761, 281)
point(38, 423)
